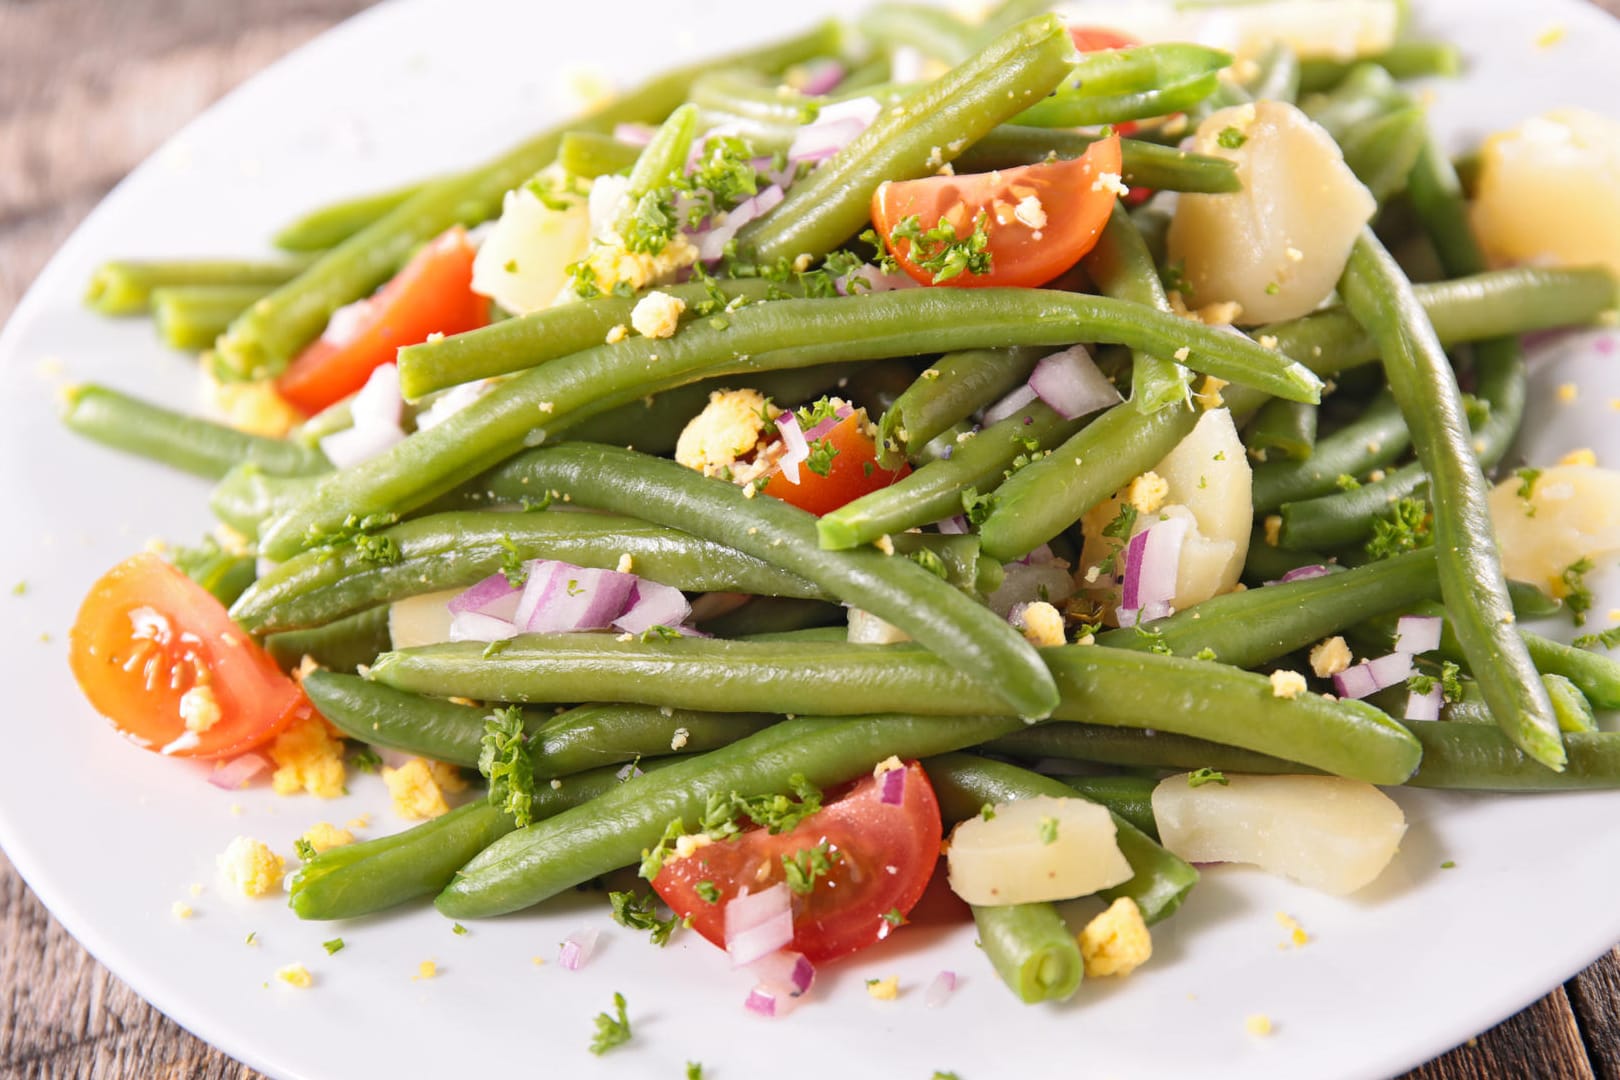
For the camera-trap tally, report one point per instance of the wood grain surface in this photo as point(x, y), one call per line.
point(89, 88)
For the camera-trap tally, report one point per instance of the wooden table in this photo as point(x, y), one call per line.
point(88, 89)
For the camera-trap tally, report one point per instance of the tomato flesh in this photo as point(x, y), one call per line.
point(885, 854)
point(431, 295)
point(1039, 219)
point(854, 471)
point(146, 635)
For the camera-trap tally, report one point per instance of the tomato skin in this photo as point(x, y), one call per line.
point(847, 480)
point(887, 854)
point(1075, 209)
point(1098, 38)
point(146, 634)
point(431, 295)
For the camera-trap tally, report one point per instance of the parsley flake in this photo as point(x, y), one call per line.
point(639, 911)
point(803, 867)
point(707, 891)
point(940, 251)
point(1231, 138)
point(611, 1031)
point(1049, 830)
point(1200, 777)
point(333, 946)
point(1577, 596)
point(1406, 528)
point(505, 763)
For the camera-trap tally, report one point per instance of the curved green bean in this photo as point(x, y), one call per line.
point(1282, 429)
point(1114, 85)
point(589, 154)
point(1133, 748)
point(344, 645)
point(1373, 440)
point(1122, 266)
point(950, 390)
point(1145, 164)
point(330, 225)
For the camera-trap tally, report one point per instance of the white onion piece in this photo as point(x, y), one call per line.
point(953, 526)
point(476, 626)
point(378, 403)
point(1417, 633)
point(346, 323)
point(798, 448)
point(577, 948)
point(939, 989)
point(1010, 405)
point(1425, 706)
point(652, 604)
point(822, 139)
point(758, 923)
point(867, 629)
point(235, 773)
point(451, 402)
point(1072, 384)
point(351, 446)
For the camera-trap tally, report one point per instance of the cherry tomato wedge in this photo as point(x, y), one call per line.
point(854, 470)
point(151, 647)
point(881, 857)
point(1098, 38)
point(1039, 219)
point(431, 295)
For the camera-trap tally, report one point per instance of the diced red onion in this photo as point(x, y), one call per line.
point(821, 430)
point(1370, 676)
point(1010, 405)
point(353, 445)
point(236, 772)
point(344, 325)
point(634, 134)
point(790, 972)
point(543, 573)
point(822, 139)
point(941, 988)
point(476, 626)
point(652, 604)
point(483, 596)
point(712, 243)
point(1302, 573)
point(582, 599)
point(822, 76)
point(953, 526)
point(758, 923)
point(1425, 706)
point(1042, 554)
point(893, 787)
point(1072, 384)
point(876, 281)
point(577, 948)
point(628, 771)
point(761, 1001)
point(1151, 560)
point(1417, 633)
point(798, 448)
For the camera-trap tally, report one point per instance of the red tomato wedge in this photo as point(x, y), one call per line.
point(854, 471)
point(1065, 206)
point(1098, 38)
point(147, 636)
point(431, 295)
point(885, 854)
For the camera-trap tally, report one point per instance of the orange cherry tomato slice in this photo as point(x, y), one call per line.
point(854, 471)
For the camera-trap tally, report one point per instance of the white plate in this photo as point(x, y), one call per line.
point(110, 837)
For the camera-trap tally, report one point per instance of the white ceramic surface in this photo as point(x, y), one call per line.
point(110, 837)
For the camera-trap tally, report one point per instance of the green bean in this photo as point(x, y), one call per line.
point(1249, 628)
point(663, 159)
point(1032, 949)
point(1478, 757)
point(912, 140)
point(1530, 602)
point(458, 549)
point(618, 827)
point(1097, 685)
point(1278, 78)
point(774, 615)
point(1470, 568)
point(950, 390)
point(1402, 60)
point(1115, 85)
point(935, 490)
point(1131, 797)
point(589, 154)
point(1286, 429)
point(1133, 748)
point(1007, 13)
point(1371, 441)
point(1145, 164)
point(1122, 266)
point(774, 335)
point(753, 101)
point(334, 223)
point(344, 645)
point(223, 573)
point(360, 879)
point(266, 337)
point(932, 31)
point(1347, 517)
point(1574, 712)
point(246, 496)
point(192, 316)
point(1366, 93)
point(185, 442)
point(336, 417)
point(1265, 563)
point(528, 340)
point(1382, 150)
point(929, 609)
point(874, 74)
point(125, 286)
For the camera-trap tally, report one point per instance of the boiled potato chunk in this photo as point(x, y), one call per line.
point(1572, 513)
point(1043, 848)
point(522, 263)
point(1325, 832)
point(421, 620)
point(1278, 246)
point(1549, 191)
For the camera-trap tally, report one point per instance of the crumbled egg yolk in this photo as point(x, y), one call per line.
point(728, 428)
point(180, 909)
point(1042, 624)
point(657, 315)
point(883, 989)
point(887, 765)
point(199, 708)
point(1583, 456)
point(1287, 684)
point(1148, 492)
point(612, 265)
point(1116, 942)
point(296, 975)
point(1273, 527)
point(415, 791)
point(1296, 933)
point(1208, 395)
point(678, 740)
point(254, 407)
point(1259, 1024)
point(685, 845)
point(427, 969)
point(325, 836)
point(251, 866)
point(1330, 657)
point(308, 758)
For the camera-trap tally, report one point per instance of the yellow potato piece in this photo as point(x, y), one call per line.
point(1572, 513)
point(421, 620)
point(1043, 848)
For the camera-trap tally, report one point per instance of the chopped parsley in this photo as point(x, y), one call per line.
point(1174, 278)
point(803, 867)
point(1527, 487)
point(512, 564)
point(496, 647)
point(707, 891)
point(894, 917)
point(1607, 638)
point(694, 1070)
point(820, 461)
point(1450, 680)
point(723, 815)
point(358, 532)
point(940, 251)
point(1405, 529)
point(1049, 830)
point(977, 507)
point(252, 938)
point(1346, 482)
point(1206, 653)
point(1155, 639)
point(1231, 138)
point(458, 930)
point(653, 223)
point(333, 946)
point(1200, 777)
point(377, 550)
point(652, 860)
point(659, 632)
point(987, 812)
point(574, 587)
point(639, 911)
point(1118, 529)
point(304, 849)
point(19, 589)
point(1577, 596)
point(366, 759)
point(611, 1031)
point(505, 763)
point(1448, 865)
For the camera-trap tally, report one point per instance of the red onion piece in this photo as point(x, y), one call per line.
point(1151, 560)
point(1425, 706)
point(1072, 384)
point(577, 948)
point(953, 526)
point(758, 923)
point(345, 324)
point(893, 787)
point(582, 599)
point(486, 593)
point(1303, 573)
point(939, 989)
point(476, 626)
point(1417, 633)
point(1042, 554)
point(1010, 405)
point(652, 604)
point(712, 244)
point(820, 431)
point(761, 1001)
point(875, 281)
point(1370, 676)
point(822, 76)
point(798, 448)
point(634, 134)
point(822, 139)
point(785, 973)
point(235, 773)
point(543, 575)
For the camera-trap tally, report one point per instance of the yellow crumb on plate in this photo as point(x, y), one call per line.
point(415, 790)
point(1259, 1024)
point(883, 989)
point(309, 758)
point(1583, 456)
point(427, 969)
point(180, 909)
point(1296, 933)
point(323, 836)
point(251, 866)
point(296, 975)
